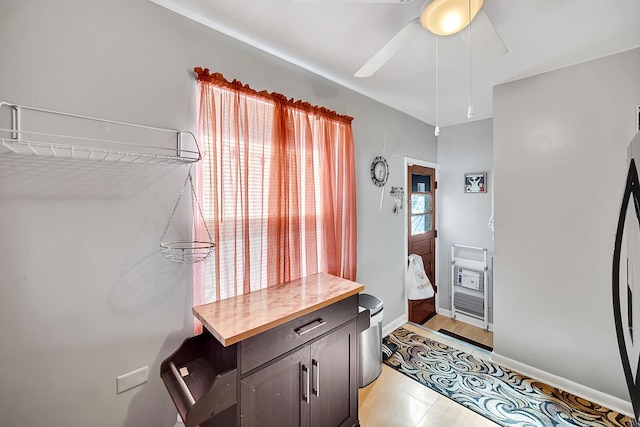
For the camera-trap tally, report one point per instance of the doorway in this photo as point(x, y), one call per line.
point(421, 232)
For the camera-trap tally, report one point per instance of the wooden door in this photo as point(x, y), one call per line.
point(279, 394)
point(334, 389)
point(422, 233)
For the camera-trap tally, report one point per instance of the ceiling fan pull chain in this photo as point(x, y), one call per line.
point(437, 129)
point(470, 112)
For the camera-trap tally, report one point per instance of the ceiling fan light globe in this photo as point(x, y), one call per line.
point(452, 22)
point(447, 17)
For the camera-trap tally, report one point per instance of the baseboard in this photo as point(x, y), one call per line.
point(394, 324)
point(595, 396)
point(464, 318)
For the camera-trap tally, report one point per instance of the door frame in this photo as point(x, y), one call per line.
point(409, 161)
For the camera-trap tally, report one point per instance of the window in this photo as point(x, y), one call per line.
point(421, 209)
point(278, 189)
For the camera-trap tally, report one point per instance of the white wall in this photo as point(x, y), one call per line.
point(85, 295)
point(463, 217)
point(381, 247)
point(559, 153)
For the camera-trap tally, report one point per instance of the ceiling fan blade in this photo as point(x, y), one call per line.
point(486, 43)
point(391, 48)
point(352, 1)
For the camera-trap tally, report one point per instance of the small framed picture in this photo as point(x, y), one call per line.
point(475, 182)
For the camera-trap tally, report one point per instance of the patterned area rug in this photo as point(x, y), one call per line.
point(492, 391)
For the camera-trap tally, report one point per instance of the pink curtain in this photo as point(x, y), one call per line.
point(277, 183)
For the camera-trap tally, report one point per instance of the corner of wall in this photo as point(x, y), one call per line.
point(394, 324)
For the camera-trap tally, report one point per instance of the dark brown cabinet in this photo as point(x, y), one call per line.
point(333, 383)
point(302, 373)
point(313, 386)
point(274, 396)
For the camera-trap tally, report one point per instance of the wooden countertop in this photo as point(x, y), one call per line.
point(235, 319)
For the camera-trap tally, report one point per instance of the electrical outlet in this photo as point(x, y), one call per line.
point(132, 379)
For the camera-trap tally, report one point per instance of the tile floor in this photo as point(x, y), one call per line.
point(395, 400)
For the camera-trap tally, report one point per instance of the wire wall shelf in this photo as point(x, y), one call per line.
point(181, 147)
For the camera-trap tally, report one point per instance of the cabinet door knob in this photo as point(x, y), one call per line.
point(315, 370)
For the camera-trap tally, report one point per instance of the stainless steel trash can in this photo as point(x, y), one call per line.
point(370, 341)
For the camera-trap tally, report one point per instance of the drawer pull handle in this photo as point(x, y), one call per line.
point(305, 387)
point(315, 370)
point(309, 326)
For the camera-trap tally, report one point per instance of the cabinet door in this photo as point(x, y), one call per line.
point(334, 390)
point(277, 396)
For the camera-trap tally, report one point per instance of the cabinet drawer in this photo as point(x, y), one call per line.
point(270, 344)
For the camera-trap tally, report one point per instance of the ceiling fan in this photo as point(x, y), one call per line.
point(442, 18)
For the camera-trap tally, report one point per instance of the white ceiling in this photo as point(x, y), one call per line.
point(334, 38)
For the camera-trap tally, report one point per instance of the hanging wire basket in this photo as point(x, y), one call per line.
point(187, 252)
point(182, 251)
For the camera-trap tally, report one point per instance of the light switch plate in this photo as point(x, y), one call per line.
point(132, 379)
